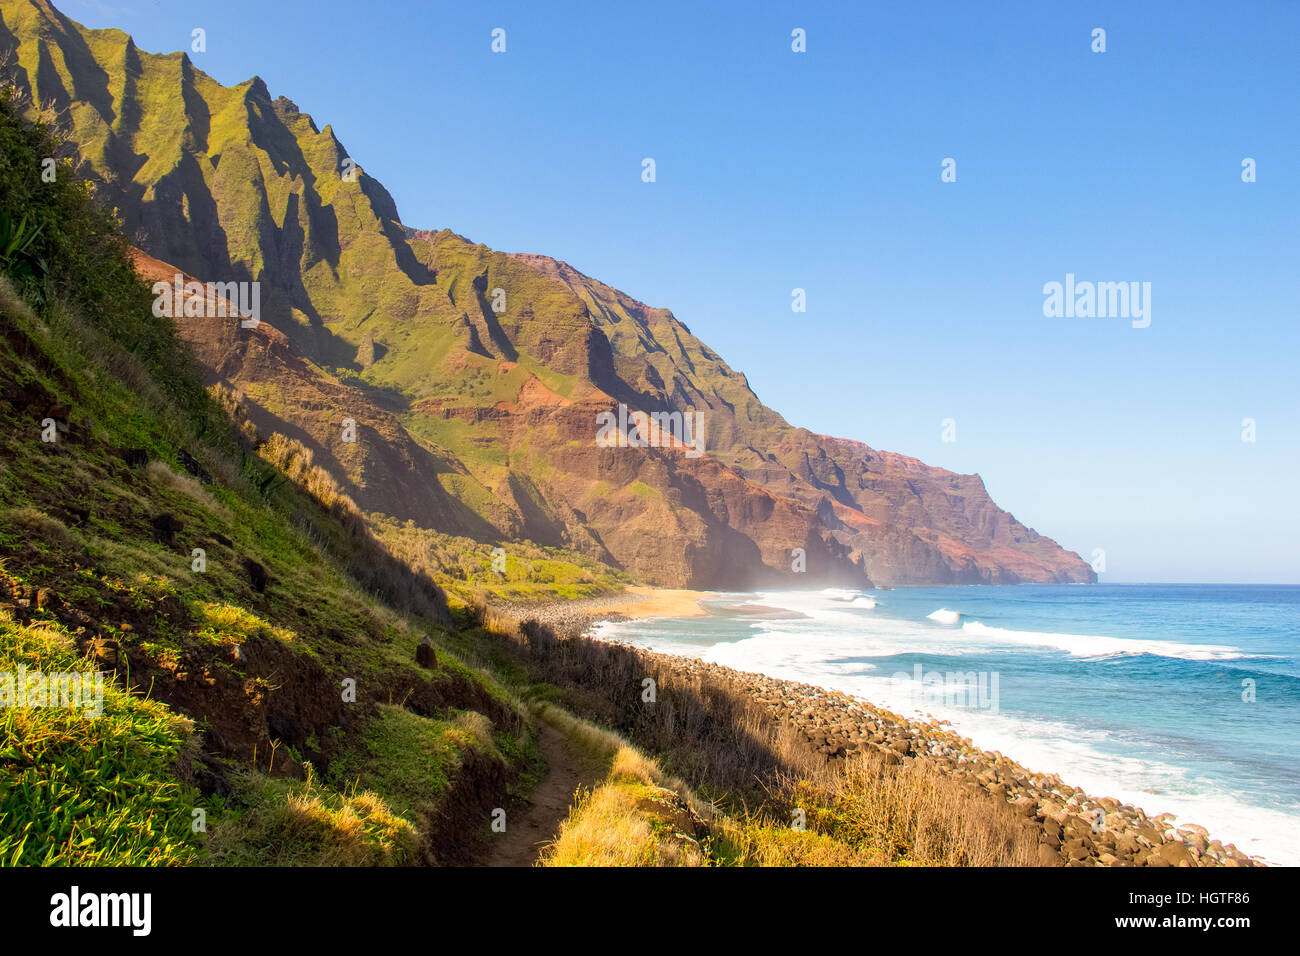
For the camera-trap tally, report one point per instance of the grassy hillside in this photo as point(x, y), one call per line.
point(262, 698)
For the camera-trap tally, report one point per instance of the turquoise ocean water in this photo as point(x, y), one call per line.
point(1177, 698)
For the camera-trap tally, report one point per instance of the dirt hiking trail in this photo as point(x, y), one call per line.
point(528, 830)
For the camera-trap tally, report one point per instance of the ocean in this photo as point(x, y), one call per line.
point(1175, 698)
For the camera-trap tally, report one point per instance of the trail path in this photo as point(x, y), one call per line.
point(528, 830)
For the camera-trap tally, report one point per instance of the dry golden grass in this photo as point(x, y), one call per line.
point(162, 475)
point(42, 527)
point(296, 461)
point(628, 819)
point(232, 403)
point(706, 728)
point(916, 811)
point(603, 829)
point(12, 304)
point(300, 824)
point(871, 812)
point(600, 747)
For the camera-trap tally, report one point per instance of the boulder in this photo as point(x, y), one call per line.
point(257, 575)
point(1175, 854)
point(425, 655)
point(166, 526)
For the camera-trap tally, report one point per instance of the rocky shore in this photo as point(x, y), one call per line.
point(1075, 828)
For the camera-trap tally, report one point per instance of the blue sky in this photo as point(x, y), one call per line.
point(821, 170)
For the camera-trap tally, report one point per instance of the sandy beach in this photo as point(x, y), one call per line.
point(660, 602)
point(573, 617)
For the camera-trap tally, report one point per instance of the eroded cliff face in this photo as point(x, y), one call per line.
point(476, 377)
point(907, 522)
point(932, 525)
point(383, 469)
point(666, 516)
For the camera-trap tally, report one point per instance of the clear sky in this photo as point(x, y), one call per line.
point(821, 170)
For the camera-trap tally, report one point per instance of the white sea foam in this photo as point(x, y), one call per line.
point(945, 616)
point(867, 602)
point(1089, 645)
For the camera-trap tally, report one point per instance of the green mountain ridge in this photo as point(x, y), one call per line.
point(487, 412)
point(254, 644)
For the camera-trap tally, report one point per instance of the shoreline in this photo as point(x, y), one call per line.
point(632, 603)
point(1075, 828)
point(663, 602)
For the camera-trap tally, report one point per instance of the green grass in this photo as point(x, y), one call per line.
point(411, 759)
point(465, 567)
point(278, 822)
point(89, 792)
point(230, 625)
point(642, 490)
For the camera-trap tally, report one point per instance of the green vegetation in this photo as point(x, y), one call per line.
point(146, 538)
point(231, 625)
point(277, 822)
point(467, 569)
point(74, 791)
point(412, 758)
point(642, 490)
